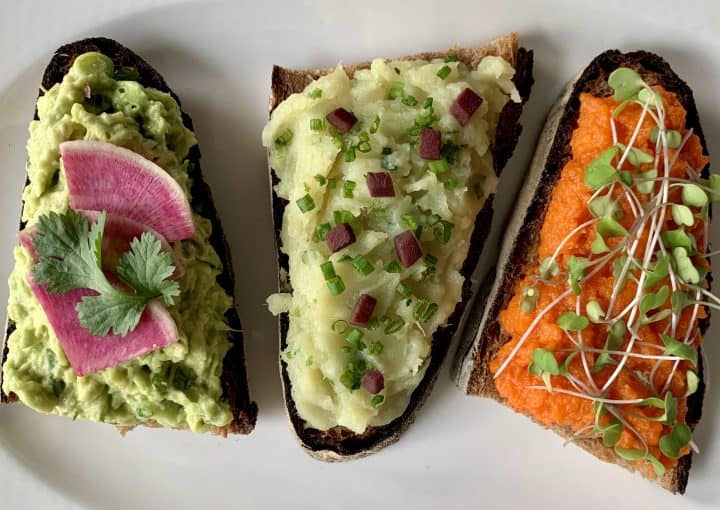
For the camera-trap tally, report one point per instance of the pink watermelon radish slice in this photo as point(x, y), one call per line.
point(104, 177)
point(88, 353)
point(119, 232)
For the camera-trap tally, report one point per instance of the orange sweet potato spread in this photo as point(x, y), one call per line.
point(567, 210)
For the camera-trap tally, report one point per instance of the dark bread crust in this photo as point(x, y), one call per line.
point(234, 375)
point(474, 375)
point(340, 443)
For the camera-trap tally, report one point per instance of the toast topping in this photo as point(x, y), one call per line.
point(396, 191)
point(605, 326)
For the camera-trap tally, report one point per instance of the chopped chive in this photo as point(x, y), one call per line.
point(403, 290)
point(375, 348)
point(363, 136)
point(443, 231)
point(306, 203)
point(408, 221)
point(393, 267)
point(340, 326)
point(424, 310)
point(336, 285)
point(451, 184)
point(363, 265)
point(349, 189)
point(375, 125)
point(450, 58)
point(283, 139)
point(320, 179)
point(347, 349)
point(444, 72)
point(397, 89)
point(431, 259)
point(350, 380)
point(364, 147)
point(317, 124)
point(350, 154)
point(328, 270)
point(386, 151)
point(433, 219)
point(354, 337)
point(376, 400)
point(438, 166)
point(343, 216)
point(331, 183)
point(321, 231)
point(397, 71)
point(428, 102)
point(394, 325)
point(315, 93)
point(409, 101)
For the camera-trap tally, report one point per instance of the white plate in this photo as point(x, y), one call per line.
point(217, 57)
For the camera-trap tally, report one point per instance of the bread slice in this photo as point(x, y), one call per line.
point(340, 443)
point(483, 334)
point(234, 376)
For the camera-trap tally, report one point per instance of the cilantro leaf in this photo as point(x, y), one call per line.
point(118, 311)
point(147, 269)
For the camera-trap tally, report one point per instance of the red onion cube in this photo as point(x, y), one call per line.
point(341, 119)
point(465, 105)
point(363, 310)
point(373, 381)
point(407, 248)
point(430, 143)
point(380, 184)
point(339, 237)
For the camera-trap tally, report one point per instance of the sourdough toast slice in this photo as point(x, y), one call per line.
point(483, 334)
point(234, 376)
point(340, 443)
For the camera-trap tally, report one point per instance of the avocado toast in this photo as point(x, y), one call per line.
point(614, 362)
point(364, 161)
point(98, 91)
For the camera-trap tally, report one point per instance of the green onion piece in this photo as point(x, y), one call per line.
point(362, 265)
point(408, 221)
point(450, 58)
point(375, 124)
point(363, 136)
point(378, 207)
point(424, 310)
point(431, 259)
point(350, 380)
point(321, 231)
point(375, 348)
point(444, 72)
point(340, 326)
point(343, 216)
point(451, 184)
point(373, 324)
point(350, 154)
point(433, 219)
point(428, 102)
point(306, 203)
point(386, 151)
point(347, 349)
point(331, 183)
point(317, 124)
point(438, 166)
point(315, 93)
point(283, 139)
point(320, 179)
point(364, 147)
point(354, 336)
point(403, 290)
point(348, 189)
point(409, 101)
point(397, 89)
point(393, 267)
point(443, 231)
point(336, 285)
point(394, 325)
point(328, 270)
point(376, 400)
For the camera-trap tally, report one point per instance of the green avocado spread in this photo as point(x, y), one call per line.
point(324, 173)
point(177, 386)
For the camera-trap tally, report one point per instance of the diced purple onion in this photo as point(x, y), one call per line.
point(407, 248)
point(339, 237)
point(380, 184)
point(363, 310)
point(430, 143)
point(373, 381)
point(341, 119)
point(465, 105)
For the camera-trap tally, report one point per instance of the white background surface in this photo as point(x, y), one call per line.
point(217, 56)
